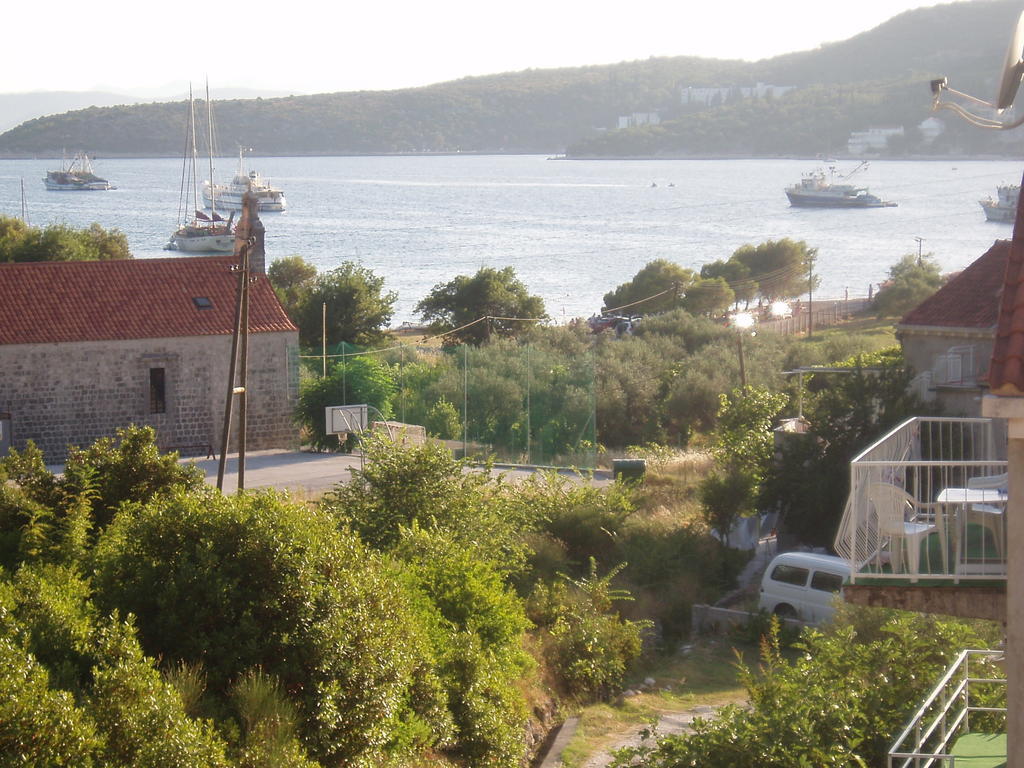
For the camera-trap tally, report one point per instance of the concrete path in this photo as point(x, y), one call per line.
point(314, 473)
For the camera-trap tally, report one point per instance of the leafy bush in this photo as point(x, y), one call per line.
point(478, 625)
point(141, 716)
point(129, 467)
point(840, 702)
point(425, 485)
point(590, 644)
point(251, 582)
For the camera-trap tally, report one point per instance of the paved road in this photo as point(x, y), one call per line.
point(314, 473)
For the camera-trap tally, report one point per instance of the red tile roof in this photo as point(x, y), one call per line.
point(47, 302)
point(1006, 372)
point(970, 299)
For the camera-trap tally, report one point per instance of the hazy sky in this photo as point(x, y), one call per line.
point(307, 47)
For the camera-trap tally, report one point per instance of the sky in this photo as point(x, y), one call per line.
point(299, 46)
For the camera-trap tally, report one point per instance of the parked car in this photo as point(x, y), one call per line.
point(803, 585)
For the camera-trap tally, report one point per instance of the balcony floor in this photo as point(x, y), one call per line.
point(979, 547)
point(980, 750)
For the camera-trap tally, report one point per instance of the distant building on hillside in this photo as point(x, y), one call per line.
point(638, 119)
point(871, 141)
point(713, 97)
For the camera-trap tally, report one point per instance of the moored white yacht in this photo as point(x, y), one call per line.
point(228, 197)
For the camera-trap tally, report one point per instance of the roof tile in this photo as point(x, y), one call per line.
point(969, 299)
point(48, 302)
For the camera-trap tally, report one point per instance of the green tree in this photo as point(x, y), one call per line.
point(781, 268)
point(708, 296)
point(292, 278)
point(658, 287)
point(736, 274)
point(911, 280)
point(847, 411)
point(358, 309)
point(495, 294)
point(59, 242)
point(742, 447)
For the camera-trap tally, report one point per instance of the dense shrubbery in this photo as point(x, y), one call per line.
point(840, 702)
point(148, 620)
point(59, 242)
point(660, 385)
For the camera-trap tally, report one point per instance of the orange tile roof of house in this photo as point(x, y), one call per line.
point(52, 302)
point(970, 299)
point(1006, 372)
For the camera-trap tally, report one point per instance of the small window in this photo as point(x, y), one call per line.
point(202, 302)
point(157, 391)
point(790, 574)
point(826, 582)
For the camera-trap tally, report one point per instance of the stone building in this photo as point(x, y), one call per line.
point(87, 347)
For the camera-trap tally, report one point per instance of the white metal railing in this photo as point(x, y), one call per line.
point(971, 685)
point(928, 502)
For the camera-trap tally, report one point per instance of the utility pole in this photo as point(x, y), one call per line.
point(810, 296)
point(239, 342)
point(919, 254)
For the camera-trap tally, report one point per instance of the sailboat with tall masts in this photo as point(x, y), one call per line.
point(199, 232)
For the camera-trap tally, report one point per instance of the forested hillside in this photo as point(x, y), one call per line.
point(878, 77)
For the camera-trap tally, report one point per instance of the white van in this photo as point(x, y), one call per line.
point(802, 585)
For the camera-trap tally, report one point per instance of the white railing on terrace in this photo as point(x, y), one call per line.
point(973, 685)
point(928, 502)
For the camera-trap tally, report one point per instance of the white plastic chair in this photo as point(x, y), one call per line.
point(897, 511)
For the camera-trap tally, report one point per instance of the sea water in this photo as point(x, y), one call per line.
point(572, 230)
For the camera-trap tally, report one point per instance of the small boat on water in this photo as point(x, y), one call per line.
point(76, 175)
point(816, 190)
point(198, 232)
point(1004, 206)
point(228, 197)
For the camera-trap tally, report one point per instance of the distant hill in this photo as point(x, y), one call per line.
point(16, 108)
point(878, 78)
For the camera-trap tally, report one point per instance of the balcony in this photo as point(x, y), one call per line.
point(962, 722)
point(928, 505)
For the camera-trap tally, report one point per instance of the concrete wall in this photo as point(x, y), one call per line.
point(61, 394)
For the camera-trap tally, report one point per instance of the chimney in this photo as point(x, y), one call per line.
point(251, 228)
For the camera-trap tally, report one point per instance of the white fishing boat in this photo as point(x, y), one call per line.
point(228, 197)
point(75, 176)
point(1004, 206)
point(816, 190)
point(198, 232)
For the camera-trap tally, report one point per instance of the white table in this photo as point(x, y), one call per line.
point(964, 498)
point(972, 496)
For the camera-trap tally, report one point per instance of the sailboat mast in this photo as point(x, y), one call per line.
point(192, 123)
point(209, 134)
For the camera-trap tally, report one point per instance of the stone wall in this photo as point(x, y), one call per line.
point(72, 394)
